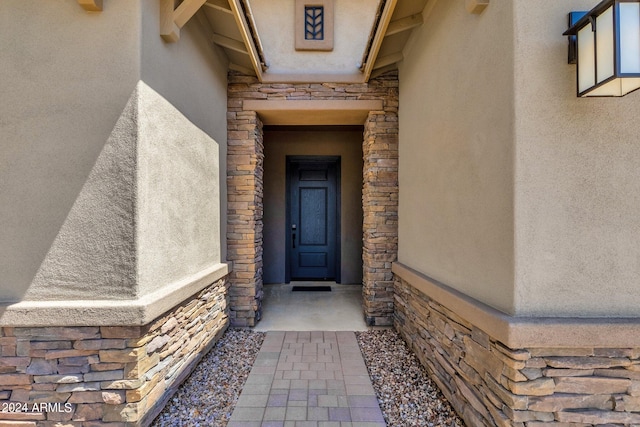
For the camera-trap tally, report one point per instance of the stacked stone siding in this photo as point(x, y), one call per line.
point(105, 375)
point(490, 384)
point(245, 162)
point(380, 190)
point(380, 212)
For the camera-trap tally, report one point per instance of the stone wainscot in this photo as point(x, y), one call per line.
point(482, 364)
point(106, 375)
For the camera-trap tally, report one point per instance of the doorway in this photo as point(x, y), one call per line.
point(313, 218)
point(268, 122)
point(333, 143)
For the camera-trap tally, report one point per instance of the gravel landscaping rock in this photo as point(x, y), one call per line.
point(406, 395)
point(208, 396)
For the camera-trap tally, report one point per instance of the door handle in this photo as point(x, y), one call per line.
point(293, 235)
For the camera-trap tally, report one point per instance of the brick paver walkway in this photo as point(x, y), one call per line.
point(308, 379)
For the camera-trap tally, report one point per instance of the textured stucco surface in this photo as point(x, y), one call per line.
point(94, 254)
point(514, 191)
point(577, 180)
point(192, 75)
point(275, 20)
point(178, 200)
point(347, 145)
point(66, 76)
point(109, 189)
point(148, 214)
point(456, 151)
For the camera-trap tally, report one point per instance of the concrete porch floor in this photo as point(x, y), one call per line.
point(338, 310)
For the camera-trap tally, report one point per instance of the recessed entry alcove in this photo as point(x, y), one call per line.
point(329, 151)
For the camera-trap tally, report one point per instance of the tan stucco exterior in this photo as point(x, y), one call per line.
point(352, 24)
point(577, 186)
point(182, 213)
point(495, 226)
point(106, 131)
point(53, 129)
point(514, 191)
point(456, 152)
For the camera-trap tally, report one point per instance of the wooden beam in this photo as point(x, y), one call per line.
point(243, 26)
point(91, 5)
point(171, 21)
point(222, 5)
point(404, 24)
point(186, 10)
point(378, 37)
point(388, 60)
point(169, 31)
point(252, 24)
point(230, 43)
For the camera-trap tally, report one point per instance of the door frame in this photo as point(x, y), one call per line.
point(312, 159)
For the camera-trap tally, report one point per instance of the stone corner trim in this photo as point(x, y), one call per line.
point(578, 382)
point(106, 375)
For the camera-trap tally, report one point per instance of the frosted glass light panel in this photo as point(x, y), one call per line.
point(586, 59)
point(608, 41)
point(629, 38)
point(605, 61)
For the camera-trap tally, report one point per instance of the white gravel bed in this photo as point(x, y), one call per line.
point(208, 396)
point(406, 394)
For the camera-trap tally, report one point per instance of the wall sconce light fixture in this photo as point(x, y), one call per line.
point(606, 43)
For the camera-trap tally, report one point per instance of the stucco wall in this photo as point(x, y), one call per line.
point(275, 20)
point(347, 145)
point(178, 200)
point(182, 203)
point(456, 151)
point(110, 188)
point(577, 179)
point(191, 73)
point(57, 62)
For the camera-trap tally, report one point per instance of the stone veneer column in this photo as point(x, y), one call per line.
point(245, 159)
point(245, 186)
point(380, 209)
